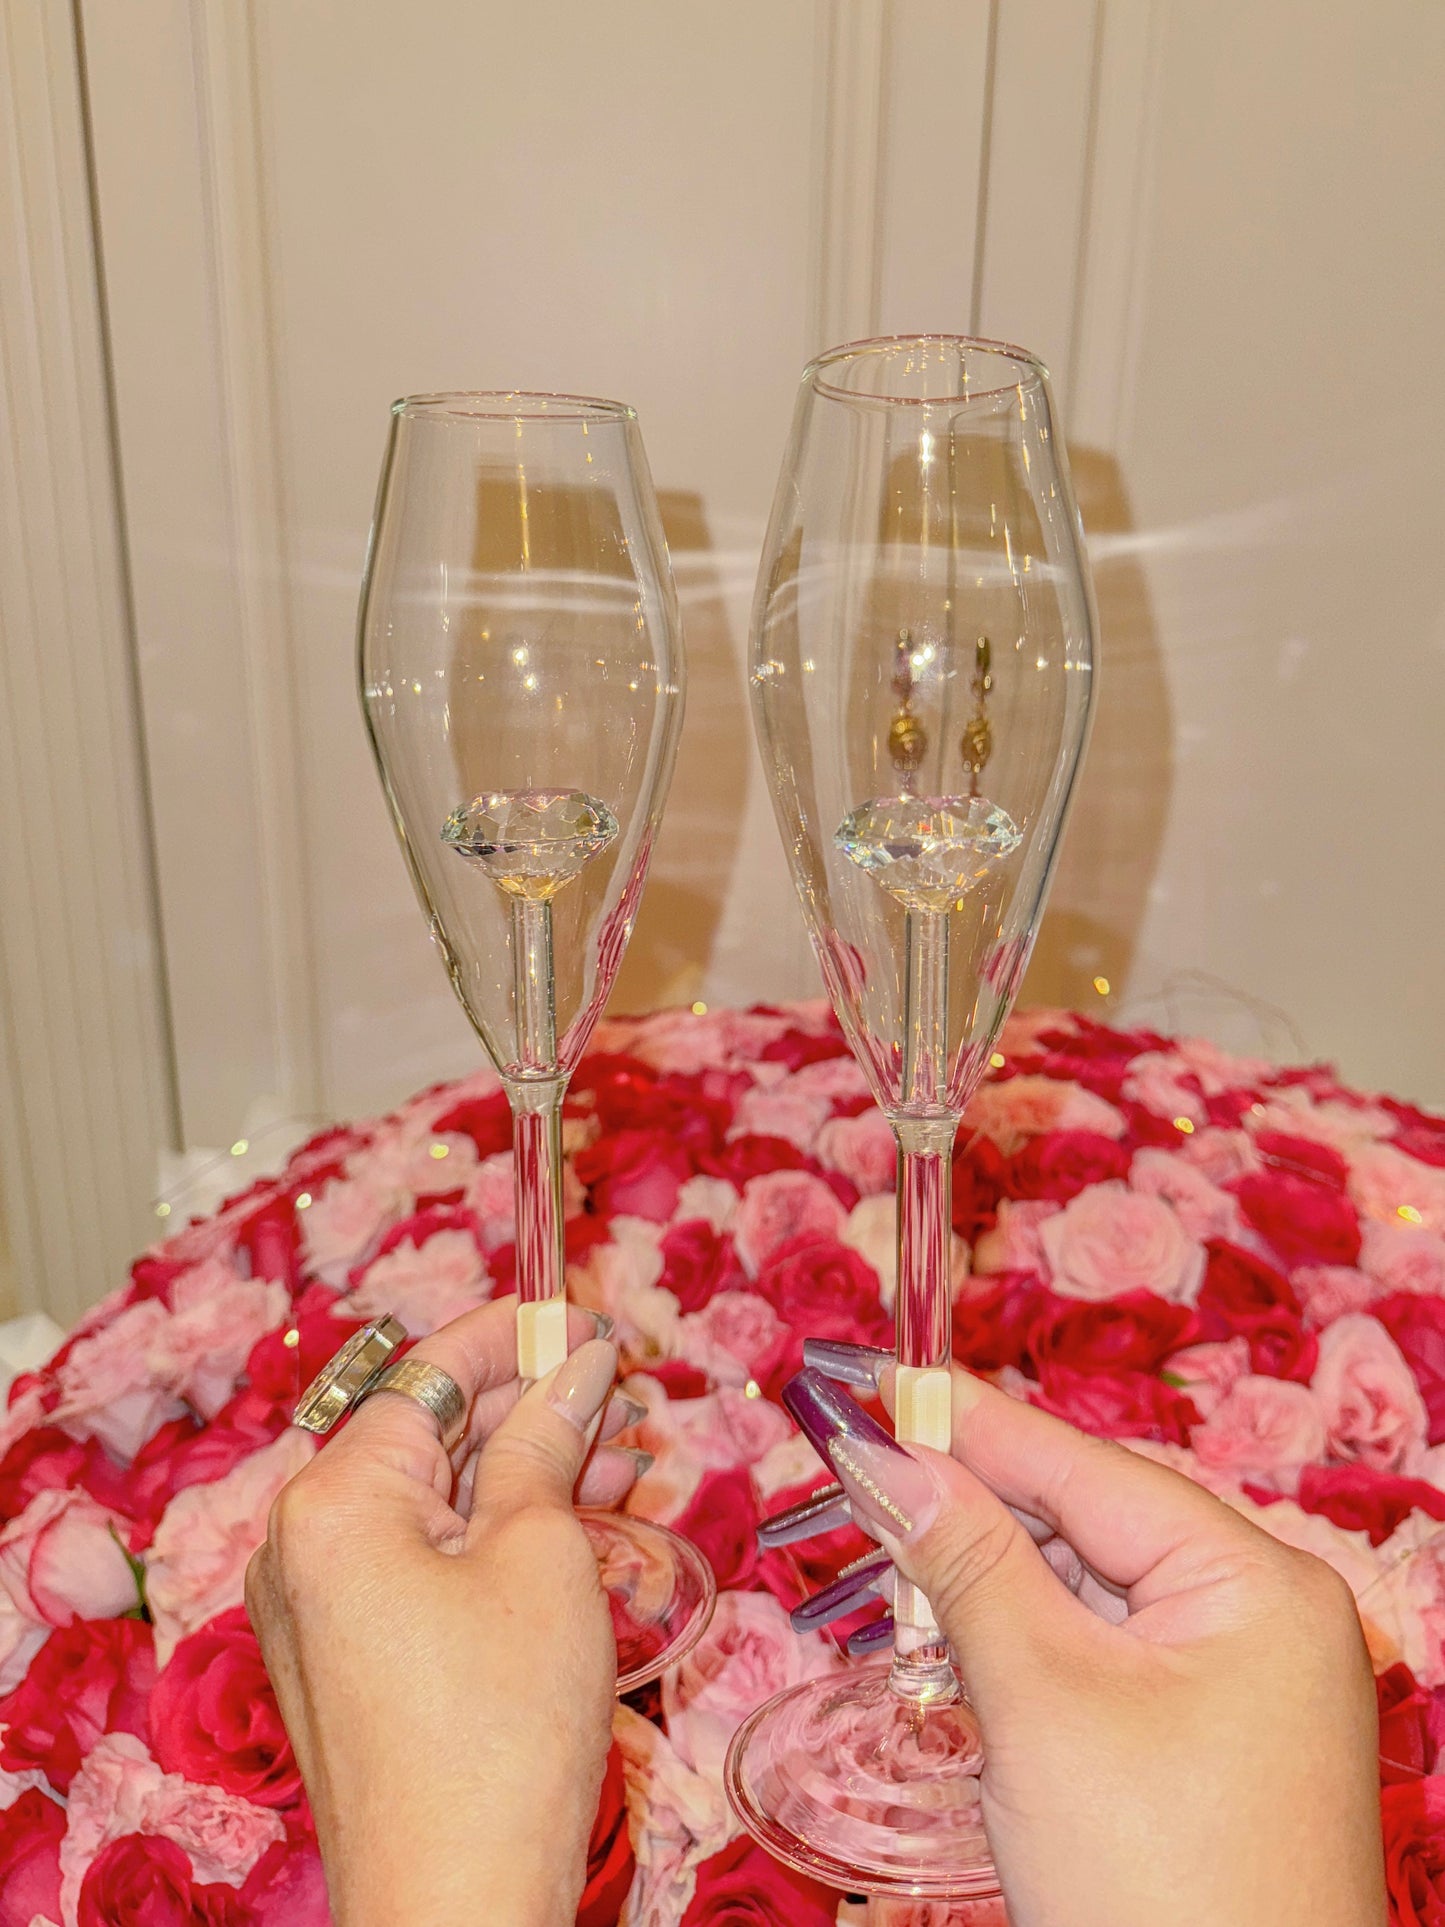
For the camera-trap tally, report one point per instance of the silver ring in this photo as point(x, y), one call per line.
point(429, 1386)
point(349, 1374)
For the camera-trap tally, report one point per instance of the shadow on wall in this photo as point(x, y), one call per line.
point(696, 854)
point(1111, 848)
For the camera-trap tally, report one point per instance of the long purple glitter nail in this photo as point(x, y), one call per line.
point(822, 1511)
point(867, 1639)
point(847, 1592)
point(860, 1365)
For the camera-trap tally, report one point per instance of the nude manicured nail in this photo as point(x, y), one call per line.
point(580, 1384)
point(645, 1460)
point(632, 1409)
point(605, 1325)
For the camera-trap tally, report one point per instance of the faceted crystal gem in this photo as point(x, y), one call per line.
point(531, 842)
point(927, 851)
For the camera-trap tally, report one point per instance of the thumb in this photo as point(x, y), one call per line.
point(536, 1454)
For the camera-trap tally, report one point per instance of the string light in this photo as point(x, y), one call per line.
point(699, 1009)
point(240, 1147)
point(1184, 1124)
point(1409, 1214)
point(291, 1338)
point(752, 1389)
point(1101, 984)
point(441, 1150)
point(997, 1061)
point(163, 1210)
point(303, 1200)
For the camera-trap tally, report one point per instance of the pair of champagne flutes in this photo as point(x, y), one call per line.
point(922, 649)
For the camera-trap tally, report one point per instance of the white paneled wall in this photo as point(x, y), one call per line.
point(1214, 217)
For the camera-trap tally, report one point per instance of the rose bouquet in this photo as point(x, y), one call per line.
point(1236, 1269)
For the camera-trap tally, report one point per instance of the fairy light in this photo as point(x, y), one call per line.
point(997, 1061)
point(1101, 984)
point(1409, 1214)
point(240, 1147)
point(163, 1210)
point(1184, 1124)
point(291, 1338)
point(303, 1200)
point(752, 1389)
point(699, 1009)
point(441, 1150)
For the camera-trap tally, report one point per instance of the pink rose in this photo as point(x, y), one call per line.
point(782, 1112)
point(723, 1429)
point(1200, 1206)
point(1223, 1156)
point(1021, 1107)
point(1382, 1180)
point(345, 1225)
point(62, 1560)
point(1157, 1081)
point(492, 1195)
point(196, 1567)
point(409, 1159)
point(1373, 1410)
point(109, 1388)
point(778, 1206)
point(426, 1286)
point(736, 1336)
point(20, 1640)
point(712, 1199)
point(863, 1149)
point(1402, 1257)
point(1206, 1373)
point(216, 1318)
point(1266, 1426)
point(832, 1077)
point(1016, 1241)
point(747, 1654)
point(1327, 1292)
point(1109, 1240)
point(120, 1790)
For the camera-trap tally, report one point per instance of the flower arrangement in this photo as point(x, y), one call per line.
point(1235, 1269)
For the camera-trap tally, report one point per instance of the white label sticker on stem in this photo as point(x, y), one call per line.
point(541, 1336)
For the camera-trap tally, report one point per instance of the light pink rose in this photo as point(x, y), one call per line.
point(1200, 1206)
point(620, 1279)
point(1223, 1156)
point(216, 1318)
point(1016, 1241)
point(409, 1160)
point(196, 1566)
point(712, 1199)
point(1207, 1372)
point(109, 1388)
point(747, 1654)
point(1268, 1427)
point(731, 1337)
point(1219, 1070)
point(1382, 1180)
point(782, 1112)
point(1402, 1257)
point(20, 1640)
point(426, 1286)
point(1328, 1292)
point(120, 1790)
point(863, 1149)
point(1374, 1414)
point(492, 1194)
point(833, 1078)
point(676, 1819)
point(929, 1913)
point(1346, 1128)
point(1156, 1080)
point(872, 1231)
point(780, 1205)
point(723, 1429)
point(345, 1225)
point(1023, 1029)
point(61, 1560)
point(1108, 1240)
point(1024, 1107)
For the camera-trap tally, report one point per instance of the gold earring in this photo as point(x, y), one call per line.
point(907, 738)
point(976, 745)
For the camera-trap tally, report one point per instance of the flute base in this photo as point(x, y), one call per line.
point(660, 1589)
point(847, 1782)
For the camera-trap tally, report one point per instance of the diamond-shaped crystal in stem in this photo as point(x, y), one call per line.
point(531, 842)
point(927, 851)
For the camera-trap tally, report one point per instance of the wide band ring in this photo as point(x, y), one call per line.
point(429, 1386)
point(349, 1374)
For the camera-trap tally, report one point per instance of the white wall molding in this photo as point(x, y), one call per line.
point(85, 1104)
point(183, 241)
point(852, 68)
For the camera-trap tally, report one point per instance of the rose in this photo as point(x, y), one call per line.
point(1373, 1410)
point(748, 1653)
point(1403, 1257)
point(1269, 1426)
point(215, 1718)
point(993, 1318)
point(1414, 1822)
point(61, 1560)
point(1245, 1295)
point(109, 1385)
point(88, 1679)
point(780, 1206)
point(39, 1460)
point(863, 1149)
point(1410, 1726)
point(796, 1048)
point(287, 1885)
point(721, 1520)
point(609, 1851)
point(1133, 1333)
point(1161, 1083)
point(1200, 1206)
point(31, 1830)
point(425, 1286)
point(1022, 1107)
point(1109, 1241)
point(344, 1226)
point(1206, 1372)
point(1302, 1220)
point(282, 1366)
point(745, 1887)
point(1382, 1180)
point(980, 1174)
point(1327, 1292)
point(1362, 1500)
point(823, 1289)
point(182, 1454)
point(216, 1319)
point(1417, 1325)
point(636, 1174)
point(139, 1882)
point(786, 1113)
point(724, 1429)
point(1015, 1242)
point(1117, 1404)
point(738, 1336)
point(696, 1262)
point(1061, 1164)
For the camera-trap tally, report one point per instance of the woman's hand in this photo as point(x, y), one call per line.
point(439, 1641)
point(1204, 1751)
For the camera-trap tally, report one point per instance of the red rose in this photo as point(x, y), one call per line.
point(1417, 1325)
point(1060, 1164)
point(1409, 1726)
point(89, 1678)
point(1240, 1291)
point(992, 1319)
point(183, 1453)
point(823, 1289)
point(145, 1881)
point(272, 1241)
point(744, 1887)
point(281, 1372)
point(634, 1099)
point(487, 1121)
point(1118, 1405)
point(215, 1718)
point(1361, 1500)
point(1414, 1821)
point(696, 1262)
point(1304, 1221)
point(722, 1522)
point(31, 1831)
point(287, 1884)
point(37, 1460)
point(634, 1173)
point(609, 1852)
point(980, 1179)
point(795, 1048)
point(1135, 1333)
point(749, 1157)
point(1302, 1157)
point(422, 1224)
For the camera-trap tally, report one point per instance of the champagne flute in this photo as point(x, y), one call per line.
point(522, 680)
point(921, 678)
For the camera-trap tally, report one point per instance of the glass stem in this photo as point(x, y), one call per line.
point(922, 1668)
point(536, 1099)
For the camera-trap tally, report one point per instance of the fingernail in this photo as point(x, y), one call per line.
point(847, 1592)
point(605, 1325)
point(645, 1460)
point(632, 1410)
point(822, 1511)
point(580, 1384)
point(860, 1365)
point(867, 1639)
point(890, 1491)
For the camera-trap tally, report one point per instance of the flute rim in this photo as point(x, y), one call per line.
point(510, 404)
point(1034, 371)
